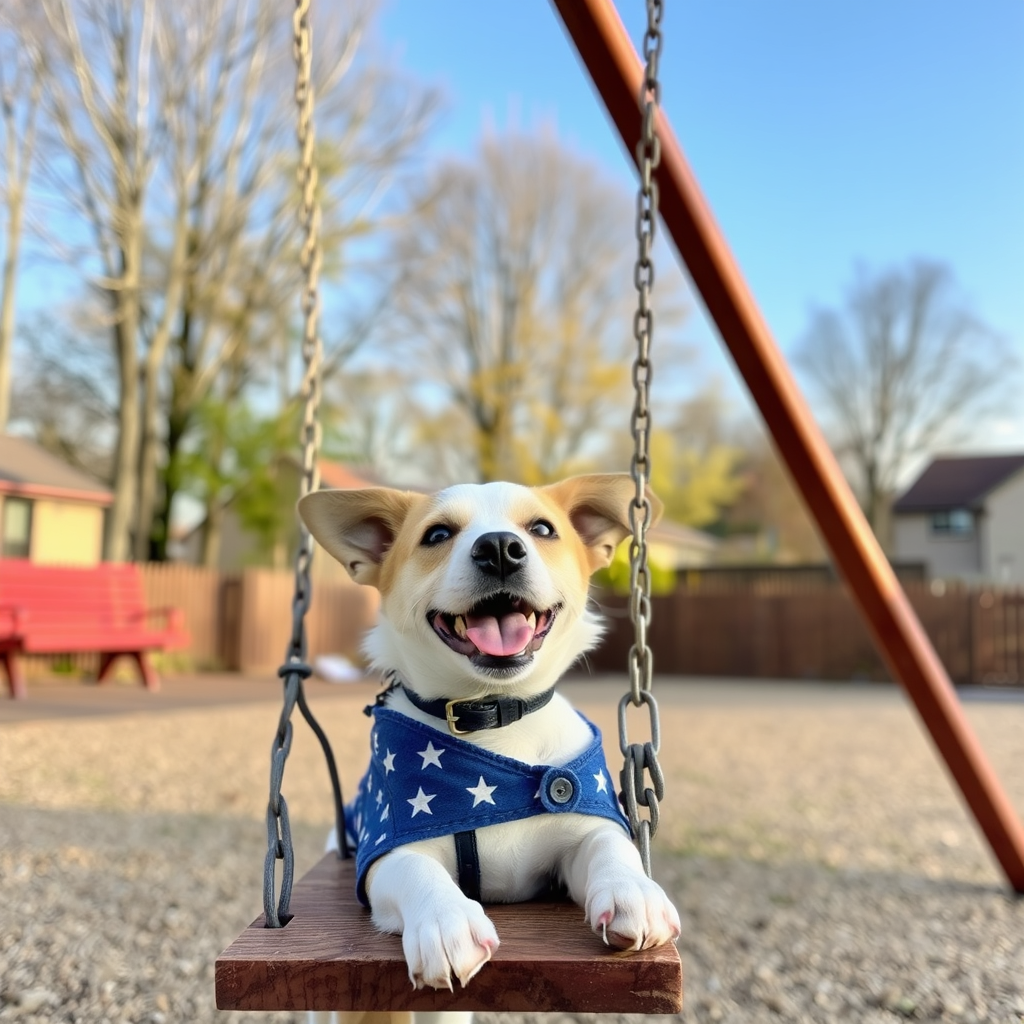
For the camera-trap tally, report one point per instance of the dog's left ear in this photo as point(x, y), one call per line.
point(598, 508)
point(357, 527)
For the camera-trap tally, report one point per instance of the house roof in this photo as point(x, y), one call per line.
point(336, 475)
point(28, 469)
point(963, 481)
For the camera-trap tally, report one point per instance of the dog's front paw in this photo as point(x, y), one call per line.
point(632, 912)
point(455, 939)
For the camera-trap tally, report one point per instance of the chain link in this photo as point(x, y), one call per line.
point(641, 759)
point(295, 670)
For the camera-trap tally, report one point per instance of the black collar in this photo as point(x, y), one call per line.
point(465, 716)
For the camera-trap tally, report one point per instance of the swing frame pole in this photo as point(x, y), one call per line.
point(617, 73)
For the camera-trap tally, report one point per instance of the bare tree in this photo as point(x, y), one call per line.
point(175, 125)
point(103, 98)
point(234, 325)
point(900, 370)
point(513, 300)
point(21, 82)
point(65, 398)
point(769, 511)
point(219, 60)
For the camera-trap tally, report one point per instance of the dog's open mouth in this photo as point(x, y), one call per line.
point(501, 630)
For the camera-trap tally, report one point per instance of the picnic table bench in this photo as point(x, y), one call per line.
point(56, 610)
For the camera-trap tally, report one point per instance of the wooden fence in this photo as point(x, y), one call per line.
point(242, 621)
point(258, 618)
point(778, 579)
point(815, 632)
point(774, 624)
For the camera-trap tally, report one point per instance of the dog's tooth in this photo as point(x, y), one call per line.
point(460, 626)
point(531, 620)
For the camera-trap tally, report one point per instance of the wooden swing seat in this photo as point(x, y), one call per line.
point(330, 957)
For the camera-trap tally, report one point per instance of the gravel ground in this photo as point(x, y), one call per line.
point(823, 866)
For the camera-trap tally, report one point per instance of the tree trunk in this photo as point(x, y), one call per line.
point(117, 537)
point(15, 209)
point(177, 424)
point(148, 475)
point(213, 526)
point(146, 545)
point(487, 455)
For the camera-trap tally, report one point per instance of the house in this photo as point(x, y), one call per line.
point(240, 548)
point(964, 518)
point(50, 512)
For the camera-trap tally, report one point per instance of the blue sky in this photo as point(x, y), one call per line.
point(824, 134)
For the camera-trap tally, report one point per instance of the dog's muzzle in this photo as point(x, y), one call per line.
point(501, 632)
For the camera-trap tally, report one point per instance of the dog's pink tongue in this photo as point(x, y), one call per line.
point(501, 637)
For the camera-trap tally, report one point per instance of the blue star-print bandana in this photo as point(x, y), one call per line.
point(423, 783)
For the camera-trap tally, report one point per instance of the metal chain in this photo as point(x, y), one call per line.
point(642, 780)
point(295, 670)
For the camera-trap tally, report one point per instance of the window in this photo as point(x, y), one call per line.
point(17, 535)
point(956, 522)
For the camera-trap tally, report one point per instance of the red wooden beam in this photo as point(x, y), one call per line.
point(617, 73)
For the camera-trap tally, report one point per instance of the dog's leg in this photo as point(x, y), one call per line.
point(625, 907)
point(443, 932)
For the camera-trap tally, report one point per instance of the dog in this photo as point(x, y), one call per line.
point(484, 784)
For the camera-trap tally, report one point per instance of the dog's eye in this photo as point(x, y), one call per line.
point(542, 528)
point(437, 535)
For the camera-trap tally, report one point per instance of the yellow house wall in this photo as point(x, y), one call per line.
point(66, 533)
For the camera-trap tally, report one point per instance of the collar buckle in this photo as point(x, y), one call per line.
point(449, 713)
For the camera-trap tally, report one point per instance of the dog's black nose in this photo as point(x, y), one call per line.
point(499, 554)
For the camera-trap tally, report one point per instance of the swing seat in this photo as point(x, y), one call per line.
point(330, 957)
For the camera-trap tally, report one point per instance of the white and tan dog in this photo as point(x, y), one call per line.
point(484, 601)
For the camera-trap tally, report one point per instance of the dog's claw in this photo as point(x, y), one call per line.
point(454, 943)
point(639, 912)
point(473, 970)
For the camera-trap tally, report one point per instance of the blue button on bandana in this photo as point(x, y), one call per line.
point(423, 783)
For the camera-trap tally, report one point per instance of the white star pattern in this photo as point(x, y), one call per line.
point(387, 810)
point(389, 763)
point(376, 748)
point(602, 782)
point(369, 783)
point(430, 756)
point(536, 796)
point(380, 797)
point(381, 838)
point(421, 802)
point(481, 792)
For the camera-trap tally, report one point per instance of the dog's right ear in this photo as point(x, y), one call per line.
point(357, 527)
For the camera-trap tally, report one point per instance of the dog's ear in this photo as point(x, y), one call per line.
point(598, 508)
point(357, 527)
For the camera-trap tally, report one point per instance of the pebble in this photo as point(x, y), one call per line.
point(33, 999)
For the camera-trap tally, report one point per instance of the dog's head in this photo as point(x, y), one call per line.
point(483, 586)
